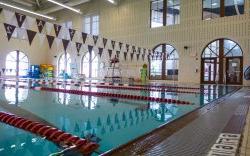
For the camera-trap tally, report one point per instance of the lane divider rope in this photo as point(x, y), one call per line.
point(50, 133)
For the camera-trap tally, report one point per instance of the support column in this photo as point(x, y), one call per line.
point(90, 64)
point(163, 72)
point(221, 61)
point(17, 63)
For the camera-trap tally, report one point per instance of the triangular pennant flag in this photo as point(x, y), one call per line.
point(113, 44)
point(110, 53)
point(100, 51)
point(65, 44)
point(131, 56)
point(125, 56)
point(133, 49)
point(118, 54)
point(9, 17)
point(21, 33)
point(104, 40)
point(137, 56)
point(20, 19)
point(90, 48)
point(41, 38)
point(58, 42)
point(127, 47)
point(143, 57)
point(30, 22)
point(9, 30)
point(31, 35)
point(84, 37)
point(72, 33)
point(120, 45)
point(95, 38)
point(139, 50)
point(78, 46)
point(50, 40)
point(57, 29)
point(48, 27)
point(40, 25)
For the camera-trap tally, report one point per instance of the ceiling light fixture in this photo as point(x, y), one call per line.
point(66, 6)
point(112, 1)
point(28, 11)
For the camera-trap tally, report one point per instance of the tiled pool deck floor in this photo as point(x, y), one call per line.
point(245, 146)
point(195, 133)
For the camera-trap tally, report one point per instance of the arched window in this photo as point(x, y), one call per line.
point(64, 64)
point(222, 62)
point(164, 63)
point(17, 64)
point(90, 66)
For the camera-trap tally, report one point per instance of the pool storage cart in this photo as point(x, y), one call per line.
point(47, 70)
point(34, 71)
point(55, 135)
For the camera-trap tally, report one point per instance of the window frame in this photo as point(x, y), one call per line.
point(164, 22)
point(92, 56)
point(18, 60)
point(66, 62)
point(222, 10)
point(164, 51)
point(91, 16)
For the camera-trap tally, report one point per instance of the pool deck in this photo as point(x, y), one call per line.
point(195, 133)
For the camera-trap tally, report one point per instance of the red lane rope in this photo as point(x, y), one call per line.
point(132, 88)
point(110, 84)
point(141, 88)
point(124, 96)
point(50, 133)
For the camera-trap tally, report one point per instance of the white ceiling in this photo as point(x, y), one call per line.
point(43, 5)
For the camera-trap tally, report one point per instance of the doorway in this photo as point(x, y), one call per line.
point(222, 63)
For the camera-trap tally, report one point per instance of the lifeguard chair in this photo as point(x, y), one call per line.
point(113, 71)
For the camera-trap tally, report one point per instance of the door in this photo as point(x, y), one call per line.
point(234, 70)
point(209, 70)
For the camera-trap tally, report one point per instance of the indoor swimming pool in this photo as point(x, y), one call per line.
point(110, 122)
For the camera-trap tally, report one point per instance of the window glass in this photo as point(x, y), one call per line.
point(214, 8)
point(212, 50)
point(211, 9)
point(64, 64)
point(93, 62)
point(157, 13)
point(95, 25)
point(168, 62)
point(231, 49)
point(234, 7)
point(91, 24)
point(173, 12)
point(16, 64)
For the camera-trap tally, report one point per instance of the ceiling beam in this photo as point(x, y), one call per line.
point(58, 8)
point(23, 3)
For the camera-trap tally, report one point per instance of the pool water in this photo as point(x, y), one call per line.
point(108, 121)
point(16, 142)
